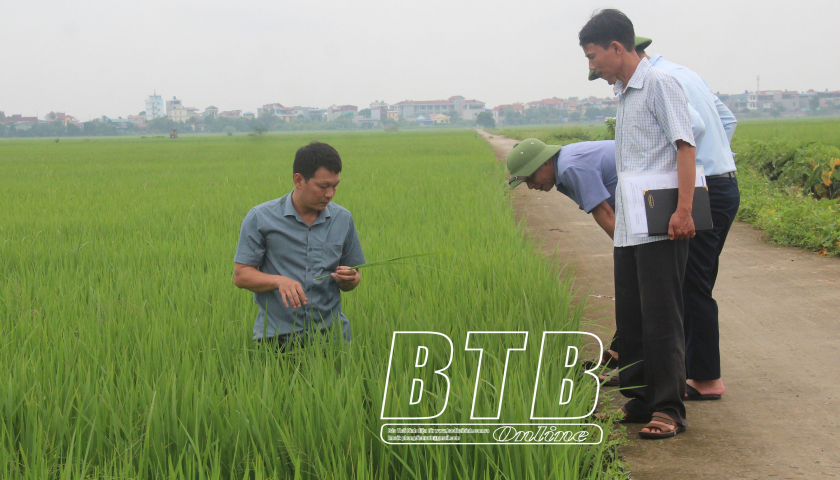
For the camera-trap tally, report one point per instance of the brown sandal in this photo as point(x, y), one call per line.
point(662, 421)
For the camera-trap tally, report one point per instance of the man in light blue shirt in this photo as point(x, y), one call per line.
point(702, 354)
point(713, 152)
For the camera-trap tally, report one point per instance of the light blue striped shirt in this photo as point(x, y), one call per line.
point(652, 115)
point(713, 150)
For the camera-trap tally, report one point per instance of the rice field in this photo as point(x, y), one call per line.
point(127, 350)
point(823, 130)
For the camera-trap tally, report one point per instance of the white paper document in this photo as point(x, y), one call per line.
point(633, 187)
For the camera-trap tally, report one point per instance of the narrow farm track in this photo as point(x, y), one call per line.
point(780, 339)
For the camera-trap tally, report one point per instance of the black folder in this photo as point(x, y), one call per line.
point(661, 204)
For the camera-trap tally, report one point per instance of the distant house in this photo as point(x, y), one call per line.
point(270, 109)
point(231, 114)
point(380, 110)
point(248, 115)
point(440, 119)
point(424, 120)
point(137, 120)
point(499, 112)
point(119, 122)
point(466, 109)
point(211, 111)
point(336, 111)
point(19, 121)
point(176, 111)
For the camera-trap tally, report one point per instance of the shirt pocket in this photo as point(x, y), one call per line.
point(327, 256)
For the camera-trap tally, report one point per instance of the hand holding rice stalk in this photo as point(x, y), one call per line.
point(381, 262)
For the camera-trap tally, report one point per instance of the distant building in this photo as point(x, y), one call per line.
point(466, 109)
point(440, 119)
point(211, 111)
point(380, 110)
point(177, 112)
point(53, 116)
point(270, 109)
point(248, 115)
point(19, 119)
point(499, 112)
point(336, 111)
point(231, 114)
point(137, 120)
point(154, 107)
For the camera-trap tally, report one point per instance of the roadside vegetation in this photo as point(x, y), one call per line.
point(788, 173)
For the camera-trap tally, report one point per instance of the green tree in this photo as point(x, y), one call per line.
point(365, 112)
point(814, 103)
point(486, 120)
point(592, 112)
point(574, 116)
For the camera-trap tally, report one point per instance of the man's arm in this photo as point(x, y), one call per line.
point(605, 217)
point(681, 226)
point(249, 278)
point(726, 118)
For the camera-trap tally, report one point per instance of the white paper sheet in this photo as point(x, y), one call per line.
point(634, 185)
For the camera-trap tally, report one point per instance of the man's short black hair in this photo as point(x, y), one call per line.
point(310, 158)
point(607, 26)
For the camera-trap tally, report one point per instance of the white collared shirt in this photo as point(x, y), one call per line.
point(652, 115)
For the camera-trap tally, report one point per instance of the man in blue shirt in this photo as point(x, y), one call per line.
point(285, 244)
point(584, 172)
point(702, 361)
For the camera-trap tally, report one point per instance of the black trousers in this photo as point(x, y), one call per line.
point(649, 318)
point(702, 339)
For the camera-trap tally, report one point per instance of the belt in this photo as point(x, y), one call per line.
point(723, 175)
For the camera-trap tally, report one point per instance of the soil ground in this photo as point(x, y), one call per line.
point(779, 338)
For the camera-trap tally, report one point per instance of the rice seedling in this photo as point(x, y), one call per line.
point(127, 350)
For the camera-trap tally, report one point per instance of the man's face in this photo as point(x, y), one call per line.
point(605, 62)
point(318, 191)
point(543, 179)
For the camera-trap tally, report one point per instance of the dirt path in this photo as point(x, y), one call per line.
point(780, 338)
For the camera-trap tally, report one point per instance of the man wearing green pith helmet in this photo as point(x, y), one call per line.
point(584, 172)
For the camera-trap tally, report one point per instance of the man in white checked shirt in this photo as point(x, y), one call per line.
point(653, 132)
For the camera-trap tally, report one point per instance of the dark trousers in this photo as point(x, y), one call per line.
point(702, 341)
point(283, 342)
point(649, 320)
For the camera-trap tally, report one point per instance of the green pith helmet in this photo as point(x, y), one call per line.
point(641, 42)
point(526, 157)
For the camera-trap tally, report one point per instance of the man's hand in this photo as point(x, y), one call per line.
point(346, 278)
point(681, 226)
point(291, 291)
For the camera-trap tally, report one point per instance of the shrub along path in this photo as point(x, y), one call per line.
point(780, 342)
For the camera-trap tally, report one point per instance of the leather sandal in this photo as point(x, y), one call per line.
point(692, 393)
point(607, 361)
point(610, 379)
point(662, 421)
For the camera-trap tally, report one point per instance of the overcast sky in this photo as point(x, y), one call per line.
point(90, 58)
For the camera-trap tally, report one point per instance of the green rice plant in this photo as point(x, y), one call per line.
point(127, 351)
point(557, 134)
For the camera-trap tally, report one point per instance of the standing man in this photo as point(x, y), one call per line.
point(702, 357)
point(284, 244)
point(702, 340)
point(653, 132)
